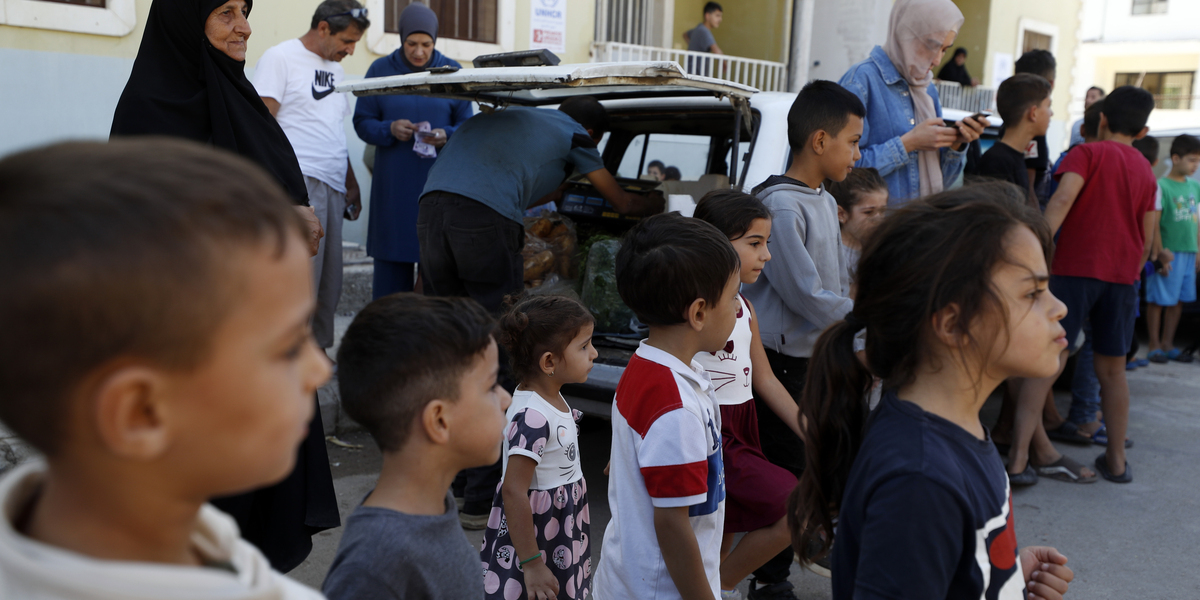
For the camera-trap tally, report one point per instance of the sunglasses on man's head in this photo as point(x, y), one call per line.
point(354, 13)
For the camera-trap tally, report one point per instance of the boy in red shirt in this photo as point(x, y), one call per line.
point(1104, 205)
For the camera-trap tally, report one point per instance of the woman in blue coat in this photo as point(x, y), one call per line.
point(389, 123)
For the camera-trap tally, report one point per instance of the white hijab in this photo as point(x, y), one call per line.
point(916, 31)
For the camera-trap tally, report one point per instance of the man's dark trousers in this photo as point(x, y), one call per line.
point(468, 249)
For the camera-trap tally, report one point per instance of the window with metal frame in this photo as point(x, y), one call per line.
point(473, 20)
point(1172, 91)
point(116, 18)
point(625, 21)
point(1149, 7)
point(694, 143)
point(96, 3)
point(638, 22)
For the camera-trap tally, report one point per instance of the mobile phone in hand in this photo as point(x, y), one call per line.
point(351, 212)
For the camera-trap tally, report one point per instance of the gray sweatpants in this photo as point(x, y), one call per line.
point(329, 204)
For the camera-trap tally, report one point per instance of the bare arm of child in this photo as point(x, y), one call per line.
point(540, 583)
point(681, 553)
point(1149, 229)
point(1158, 247)
point(1047, 575)
point(1159, 253)
point(1063, 199)
point(766, 384)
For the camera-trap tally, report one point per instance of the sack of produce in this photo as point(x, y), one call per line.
point(600, 288)
point(550, 246)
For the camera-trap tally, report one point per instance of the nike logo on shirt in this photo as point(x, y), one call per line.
point(323, 79)
point(317, 95)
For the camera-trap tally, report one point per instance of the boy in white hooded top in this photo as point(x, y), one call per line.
point(158, 355)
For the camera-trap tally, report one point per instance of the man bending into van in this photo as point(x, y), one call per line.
point(470, 221)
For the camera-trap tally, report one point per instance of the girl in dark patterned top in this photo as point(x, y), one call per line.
point(537, 541)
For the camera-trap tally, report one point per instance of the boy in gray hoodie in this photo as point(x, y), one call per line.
point(805, 287)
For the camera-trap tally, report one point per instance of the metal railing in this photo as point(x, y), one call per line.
point(973, 99)
point(765, 75)
point(1174, 101)
point(626, 21)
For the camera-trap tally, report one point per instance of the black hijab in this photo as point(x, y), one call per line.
point(184, 87)
point(952, 71)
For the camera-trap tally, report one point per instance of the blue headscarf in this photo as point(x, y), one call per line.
point(418, 18)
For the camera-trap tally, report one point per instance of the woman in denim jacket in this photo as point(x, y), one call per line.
point(904, 136)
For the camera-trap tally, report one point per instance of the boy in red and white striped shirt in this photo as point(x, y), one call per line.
point(666, 483)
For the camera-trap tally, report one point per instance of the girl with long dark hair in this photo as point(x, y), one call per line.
point(952, 293)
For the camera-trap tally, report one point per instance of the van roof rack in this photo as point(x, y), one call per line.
point(521, 58)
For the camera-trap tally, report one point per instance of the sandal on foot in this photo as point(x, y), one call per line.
point(1069, 432)
point(1158, 356)
point(1100, 438)
point(1065, 469)
point(1025, 478)
point(1102, 469)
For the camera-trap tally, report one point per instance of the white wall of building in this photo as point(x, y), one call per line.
point(1114, 40)
point(1114, 21)
point(843, 33)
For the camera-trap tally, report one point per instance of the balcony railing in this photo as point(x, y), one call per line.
point(972, 99)
point(765, 75)
point(1174, 101)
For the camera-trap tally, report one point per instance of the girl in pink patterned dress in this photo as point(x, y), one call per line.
point(537, 541)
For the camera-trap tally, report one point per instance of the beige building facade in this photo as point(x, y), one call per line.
point(1154, 44)
point(997, 32)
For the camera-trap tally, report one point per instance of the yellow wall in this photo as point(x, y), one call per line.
point(973, 35)
point(274, 21)
point(750, 28)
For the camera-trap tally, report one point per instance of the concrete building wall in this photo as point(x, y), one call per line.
point(1100, 62)
point(1114, 40)
point(1114, 21)
point(844, 32)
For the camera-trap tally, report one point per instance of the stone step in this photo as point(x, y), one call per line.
point(357, 273)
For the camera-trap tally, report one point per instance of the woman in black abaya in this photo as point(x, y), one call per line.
point(188, 82)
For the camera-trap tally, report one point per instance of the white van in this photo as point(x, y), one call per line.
point(656, 112)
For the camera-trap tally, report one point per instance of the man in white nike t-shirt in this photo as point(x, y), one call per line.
point(296, 80)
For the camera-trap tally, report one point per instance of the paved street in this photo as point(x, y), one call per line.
point(1123, 541)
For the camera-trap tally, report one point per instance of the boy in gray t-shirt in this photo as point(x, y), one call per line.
point(388, 554)
point(700, 39)
point(420, 374)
